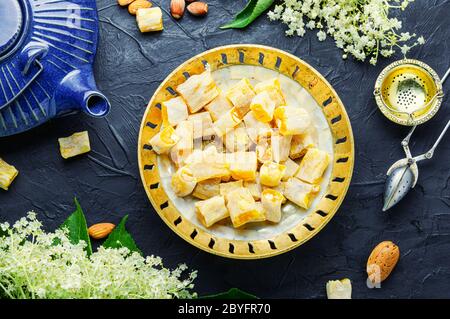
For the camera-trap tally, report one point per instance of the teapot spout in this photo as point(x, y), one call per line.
point(79, 91)
point(96, 104)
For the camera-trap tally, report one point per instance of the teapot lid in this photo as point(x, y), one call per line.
point(12, 19)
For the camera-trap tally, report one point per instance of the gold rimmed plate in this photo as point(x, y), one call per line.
point(254, 242)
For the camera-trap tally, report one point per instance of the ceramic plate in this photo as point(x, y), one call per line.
point(302, 84)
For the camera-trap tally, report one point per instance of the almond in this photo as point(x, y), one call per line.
point(138, 4)
point(382, 261)
point(99, 231)
point(198, 8)
point(177, 8)
point(124, 2)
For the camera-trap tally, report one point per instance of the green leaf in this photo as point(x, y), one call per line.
point(77, 227)
point(233, 293)
point(121, 238)
point(252, 10)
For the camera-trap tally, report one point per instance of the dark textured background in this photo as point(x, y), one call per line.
point(129, 68)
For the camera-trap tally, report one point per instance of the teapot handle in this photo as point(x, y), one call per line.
point(29, 56)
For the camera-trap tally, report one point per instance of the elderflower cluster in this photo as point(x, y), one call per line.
point(37, 264)
point(361, 28)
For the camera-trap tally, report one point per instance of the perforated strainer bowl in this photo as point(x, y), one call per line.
point(408, 92)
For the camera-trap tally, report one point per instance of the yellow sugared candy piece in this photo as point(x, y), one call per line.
point(313, 165)
point(207, 188)
point(225, 188)
point(242, 165)
point(203, 125)
point(280, 145)
point(198, 90)
point(260, 209)
point(211, 210)
point(270, 173)
point(299, 192)
point(254, 187)
point(264, 150)
point(291, 169)
point(149, 19)
point(74, 145)
point(256, 129)
point(7, 174)
point(242, 207)
point(183, 181)
point(241, 95)
point(203, 171)
point(301, 143)
point(164, 140)
point(208, 164)
point(205, 156)
point(339, 289)
point(237, 139)
point(262, 107)
point(174, 111)
point(292, 120)
point(273, 88)
point(279, 188)
point(185, 146)
point(271, 201)
point(226, 122)
point(219, 106)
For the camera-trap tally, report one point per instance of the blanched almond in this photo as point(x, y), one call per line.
point(99, 231)
point(198, 8)
point(177, 8)
point(138, 4)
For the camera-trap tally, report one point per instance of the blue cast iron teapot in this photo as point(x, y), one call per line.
point(47, 48)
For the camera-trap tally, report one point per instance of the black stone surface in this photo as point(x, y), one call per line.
point(129, 68)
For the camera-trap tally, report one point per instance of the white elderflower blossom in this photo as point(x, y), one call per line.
point(405, 49)
point(33, 266)
point(362, 28)
point(311, 24)
point(321, 36)
point(405, 36)
point(387, 53)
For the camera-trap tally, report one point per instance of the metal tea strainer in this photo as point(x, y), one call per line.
point(411, 93)
point(408, 92)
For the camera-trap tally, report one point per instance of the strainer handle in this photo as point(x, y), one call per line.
point(405, 143)
point(445, 75)
point(430, 153)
